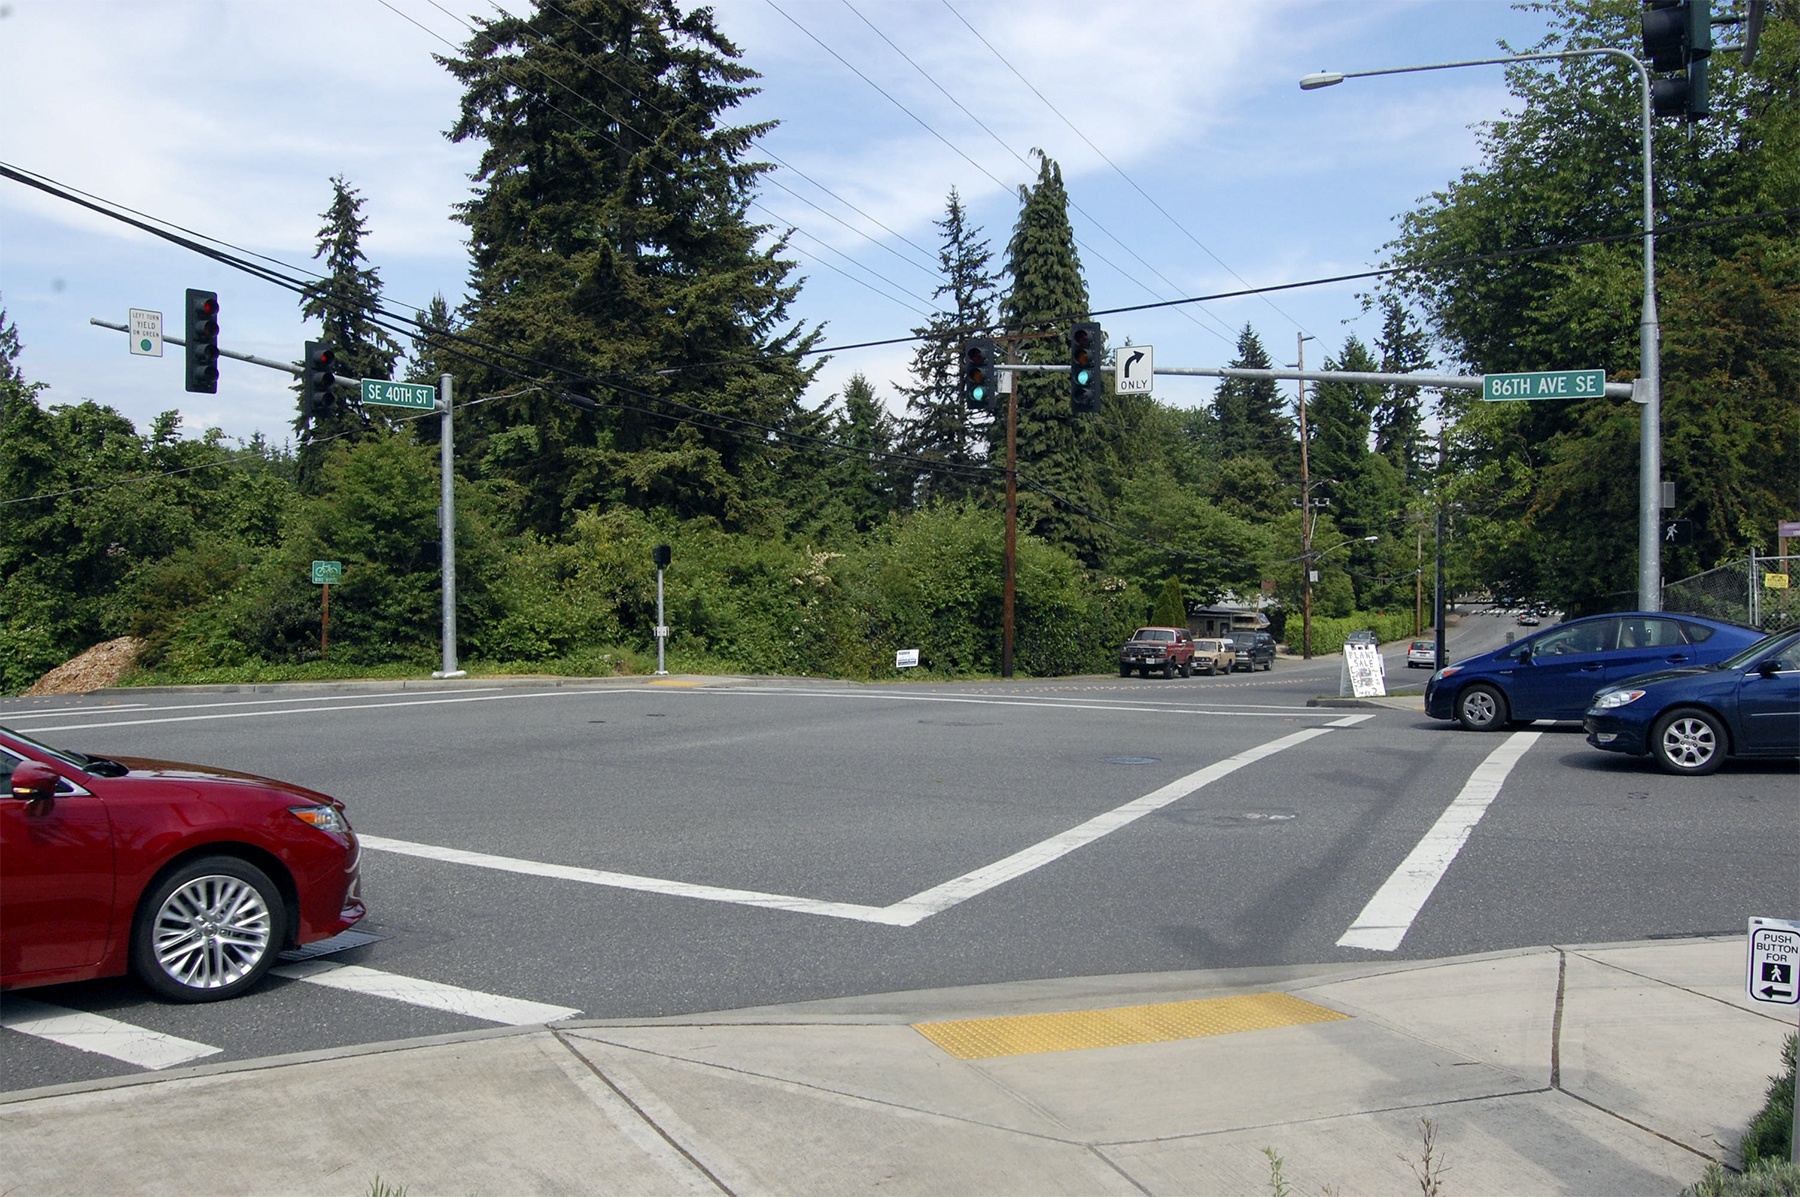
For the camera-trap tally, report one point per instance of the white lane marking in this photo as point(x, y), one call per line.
point(367, 706)
point(941, 897)
point(904, 913)
point(1389, 915)
point(243, 702)
point(100, 1035)
point(489, 1007)
point(1350, 720)
point(653, 885)
point(1052, 703)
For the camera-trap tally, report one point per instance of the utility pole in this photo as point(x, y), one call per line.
point(1306, 509)
point(1012, 520)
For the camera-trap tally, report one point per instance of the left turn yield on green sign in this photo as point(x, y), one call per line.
point(327, 573)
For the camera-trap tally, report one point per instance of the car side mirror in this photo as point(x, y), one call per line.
point(33, 781)
point(1523, 652)
point(1769, 668)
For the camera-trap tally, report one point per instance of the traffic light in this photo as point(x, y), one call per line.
point(1678, 37)
point(979, 373)
point(202, 341)
point(317, 379)
point(1084, 368)
point(662, 555)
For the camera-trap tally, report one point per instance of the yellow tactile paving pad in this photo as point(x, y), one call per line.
point(1075, 1030)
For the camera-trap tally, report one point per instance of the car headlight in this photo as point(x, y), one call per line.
point(325, 818)
point(1445, 672)
point(1615, 698)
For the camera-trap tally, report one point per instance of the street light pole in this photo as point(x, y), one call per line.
point(1649, 328)
point(1306, 510)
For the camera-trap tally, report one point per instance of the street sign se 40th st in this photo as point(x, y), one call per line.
point(417, 395)
point(1544, 384)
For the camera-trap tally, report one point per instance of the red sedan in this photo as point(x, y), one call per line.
point(193, 878)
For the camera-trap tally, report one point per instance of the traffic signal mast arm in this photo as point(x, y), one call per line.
point(1456, 382)
point(291, 367)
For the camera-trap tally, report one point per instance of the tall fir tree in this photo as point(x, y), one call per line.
point(1251, 415)
point(345, 303)
point(1399, 417)
point(611, 245)
point(939, 426)
point(1058, 452)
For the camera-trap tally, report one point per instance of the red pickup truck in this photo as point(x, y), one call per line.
point(1169, 650)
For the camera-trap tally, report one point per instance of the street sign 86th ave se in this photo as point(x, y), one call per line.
point(1544, 384)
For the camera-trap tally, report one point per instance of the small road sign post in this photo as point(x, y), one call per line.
point(1774, 977)
point(417, 395)
point(1544, 384)
point(1134, 370)
point(146, 332)
point(324, 573)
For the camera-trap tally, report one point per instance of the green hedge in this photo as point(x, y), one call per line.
point(1330, 632)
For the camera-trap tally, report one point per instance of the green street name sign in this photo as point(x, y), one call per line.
point(325, 573)
point(1544, 384)
point(417, 395)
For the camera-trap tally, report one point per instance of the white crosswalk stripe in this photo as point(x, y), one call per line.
point(489, 1007)
point(101, 1035)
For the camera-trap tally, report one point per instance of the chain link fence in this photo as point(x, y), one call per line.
point(1741, 592)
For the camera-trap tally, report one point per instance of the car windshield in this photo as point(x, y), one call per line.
point(1761, 648)
point(1154, 634)
point(62, 754)
point(1211, 646)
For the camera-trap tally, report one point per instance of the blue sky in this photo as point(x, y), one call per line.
point(230, 116)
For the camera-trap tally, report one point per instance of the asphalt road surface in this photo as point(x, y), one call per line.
point(653, 847)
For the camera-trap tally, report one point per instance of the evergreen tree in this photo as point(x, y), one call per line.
point(344, 303)
point(1399, 419)
point(1058, 453)
point(611, 247)
point(431, 357)
point(1251, 415)
point(1171, 609)
point(939, 427)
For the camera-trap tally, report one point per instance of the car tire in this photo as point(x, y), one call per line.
point(208, 931)
point(1269, 664)
point(1481, 708)
point(1689, 742)
point(1168, 670)
point(1187, 669)
point(1124, 671)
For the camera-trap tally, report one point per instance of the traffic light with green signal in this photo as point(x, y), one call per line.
point(1084, 368)
point(978, 373)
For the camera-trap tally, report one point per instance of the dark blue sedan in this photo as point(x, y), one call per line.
point(1551, 674)
point(1690, 720)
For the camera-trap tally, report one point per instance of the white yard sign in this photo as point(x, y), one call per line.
point(1364, 675)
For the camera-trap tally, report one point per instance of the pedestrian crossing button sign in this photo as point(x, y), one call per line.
point(1774, 973)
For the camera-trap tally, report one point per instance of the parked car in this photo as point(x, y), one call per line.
point(1214, 656)
point(1528, 619)
point(1361, 636)
point(1421, 654)
point(1253, 649)
point(193, 878)
point(1690, 720)
point(1551, 674)
point(1168, 650)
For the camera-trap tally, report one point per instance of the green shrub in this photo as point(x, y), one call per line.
point(1770, 1136)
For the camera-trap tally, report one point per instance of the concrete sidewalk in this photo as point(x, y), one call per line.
point(1618, 1068)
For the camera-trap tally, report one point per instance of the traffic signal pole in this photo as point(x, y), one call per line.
point(292, 368)
point(447, 525)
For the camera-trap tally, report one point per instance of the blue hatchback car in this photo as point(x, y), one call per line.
point(1553, 673)
point(1690, 720)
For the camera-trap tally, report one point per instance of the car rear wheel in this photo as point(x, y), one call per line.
point(1688, 742)
point(1187, 669)
point(208, 931)
point(1168, 670)
point(1481, 708)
